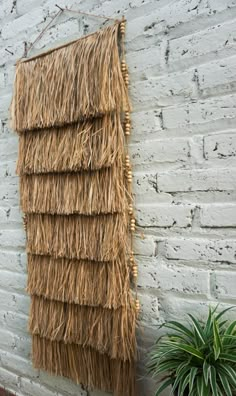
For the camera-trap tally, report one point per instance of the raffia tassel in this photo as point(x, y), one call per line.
point(80, 281)
point(40, 103)
point(99, 238)
point(84, 365)
point(110, 331)
point(88, 145)
point(89, 193)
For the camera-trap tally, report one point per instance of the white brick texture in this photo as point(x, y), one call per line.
point(182, 57)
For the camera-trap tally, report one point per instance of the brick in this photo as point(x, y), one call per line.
point(15, 322)
point(145, 123)
point(10, 215)
point(163, 215)
point(200, 113)
point(8, 169)
point(9, 379)
point(12, 238)
point(217, 76)
point(12, 342)
point(190, 48)
point(12, 261)
point(164, 150)
point(13, 281)
point(20, 24)
point(163, 91)
point(149, 311)
point(8, 149)
point(154, 273)
point(4, 105)
point(144, 63)
point(14, 302)
point(175, 307)
point(144, 244)
point(197, 180)
point(58, 34)
point(144, 187)
point(201, 249)
point(224, 284)
point(9, 194)
point(220, 146)
point(218, 215)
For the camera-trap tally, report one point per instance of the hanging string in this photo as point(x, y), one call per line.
point(42, 33)
point(86, 13)
point(61, 10)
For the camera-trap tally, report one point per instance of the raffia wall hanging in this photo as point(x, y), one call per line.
point(72, 113)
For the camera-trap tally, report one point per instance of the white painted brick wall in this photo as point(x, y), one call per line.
point(182, 60)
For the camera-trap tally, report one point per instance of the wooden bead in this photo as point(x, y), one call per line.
point(135, 270)
point(129, 173)
point(130, 211)
point(137, 305)
point(122, 27)
point(129, 179)
point(132, 228)
point(127, 133)
point(24, 223)
point(126, 79)
point(131, 258)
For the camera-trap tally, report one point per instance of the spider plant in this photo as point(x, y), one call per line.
point(198, 359)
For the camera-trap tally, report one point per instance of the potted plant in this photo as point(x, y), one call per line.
point(198, 359)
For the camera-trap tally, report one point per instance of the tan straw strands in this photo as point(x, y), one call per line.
point(71, 112)
point(87, 145)
point(79, 81)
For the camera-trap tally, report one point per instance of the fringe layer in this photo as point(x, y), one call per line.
point(100, 238)
point(84, 365)
point(86, 193)
point(87, 73)
point(80, 281)
point(90, 144)
point(110, 331)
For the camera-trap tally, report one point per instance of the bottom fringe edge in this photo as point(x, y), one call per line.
point(84, 365)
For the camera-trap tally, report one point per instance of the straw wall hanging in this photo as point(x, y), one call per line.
point(72, 113)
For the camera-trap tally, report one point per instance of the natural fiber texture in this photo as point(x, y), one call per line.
point(99, 238)
point(107, 330)
point(82, 282)
point(88, 193)
point(90, 144)
point(81, 80)
point(85, 365)
point(75, 190)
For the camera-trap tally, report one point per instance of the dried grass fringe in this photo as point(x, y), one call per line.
point(89, 193)
point(81, 80)
point(91, 144)
point(84, 365)
point(82, 282)
point(110, 331)
point(100, 238)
